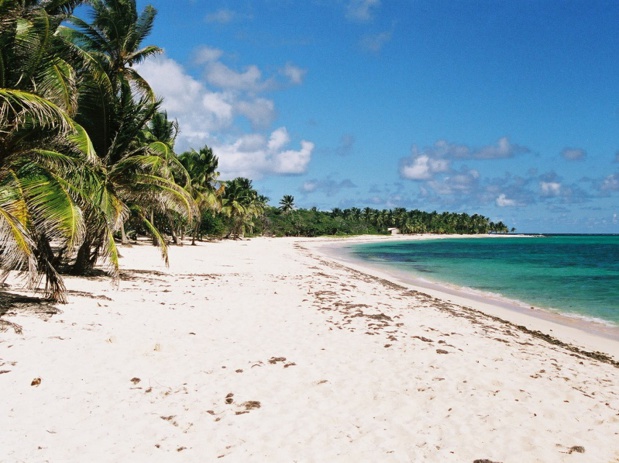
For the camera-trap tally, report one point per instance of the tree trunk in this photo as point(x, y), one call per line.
point(172, 231)
point(152, 221)
point(123, 234)
point(195, 233)
point(84, 260)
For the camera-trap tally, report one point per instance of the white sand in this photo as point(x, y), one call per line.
point(317, 361)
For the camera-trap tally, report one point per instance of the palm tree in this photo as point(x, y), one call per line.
point(241, 203)
point(42, 150)
point(161, 129)
point(286, 204)
point(202, 167)
point(115, 105)
point(114, 41)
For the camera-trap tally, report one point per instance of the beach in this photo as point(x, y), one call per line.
point(274, 349)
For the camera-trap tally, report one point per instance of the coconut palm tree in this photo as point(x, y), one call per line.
point(114, 41)
point(202, 167)
point(115, 106)
point(241, 203)
point(43, 152)
point(286, 204)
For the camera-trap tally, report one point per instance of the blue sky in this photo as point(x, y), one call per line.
point(507, 108)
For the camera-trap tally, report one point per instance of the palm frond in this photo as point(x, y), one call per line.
point(28, 108)
point(159, 238)
point(16, 244)
point(58, 84)
point(52, 208)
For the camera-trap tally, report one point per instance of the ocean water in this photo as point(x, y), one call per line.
point(576, 275)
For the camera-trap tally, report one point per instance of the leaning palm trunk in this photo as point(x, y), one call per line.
point(44, 155)
point(47, 263)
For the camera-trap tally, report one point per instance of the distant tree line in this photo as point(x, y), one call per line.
point(87, 156)
point(356, 221)
point(286, 220)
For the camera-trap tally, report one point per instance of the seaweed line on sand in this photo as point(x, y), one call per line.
point(470, 313)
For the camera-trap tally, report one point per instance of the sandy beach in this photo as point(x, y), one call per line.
point(272, 350)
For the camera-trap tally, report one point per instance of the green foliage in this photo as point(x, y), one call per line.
point(213, 225)
point(286, 204)
point(354, 221)
point(86, 155)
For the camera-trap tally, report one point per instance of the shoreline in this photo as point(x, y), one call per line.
point(589, 334)
point(277, 352)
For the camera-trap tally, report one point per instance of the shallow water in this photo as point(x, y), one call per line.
point(577, 275)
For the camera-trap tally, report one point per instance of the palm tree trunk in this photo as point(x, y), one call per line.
point(172, 230)
point(123, 234)
point(152, 221)
point(81, 266)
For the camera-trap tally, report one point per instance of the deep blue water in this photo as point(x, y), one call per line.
point(574, 274)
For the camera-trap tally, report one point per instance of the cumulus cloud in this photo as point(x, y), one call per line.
point(249, 80)
point(197, 108)
point(573, 154)
point(504, 201)
point(209, 116)
point(279, 138)
point(254, 156)
point(259, 111)
point(292, 162)
point(550, 188)
point(422, 167)
point(361, 10)
point(461, 183)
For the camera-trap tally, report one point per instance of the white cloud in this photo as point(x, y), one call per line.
point(206, 54)
point(504, 201)
point(169, 80)
point(259, 111)
point(279, 138)
point(208, 117)
point(294, 74)
point(550, 188)
point(501, 150)
point(422, 167)
point(254, 156)
point(461, 183)
point(216, 104)
point(361, 10)
point(293, 162)
point(309, 186)
point(220, 75)
point(573, 154)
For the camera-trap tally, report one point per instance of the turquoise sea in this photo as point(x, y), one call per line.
point(575, 275)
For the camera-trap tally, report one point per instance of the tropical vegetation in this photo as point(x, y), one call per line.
point(87, 156)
